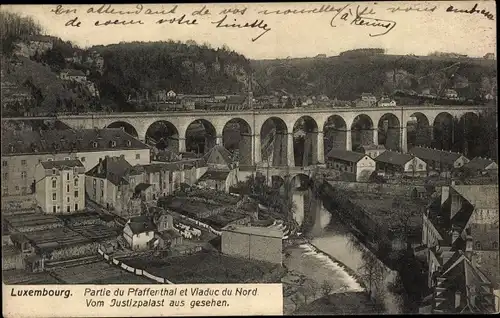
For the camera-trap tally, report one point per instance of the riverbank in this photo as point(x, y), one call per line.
point(344, 267)
point(311, 274)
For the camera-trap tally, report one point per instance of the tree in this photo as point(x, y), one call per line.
point(326, 288)
point(371, 272)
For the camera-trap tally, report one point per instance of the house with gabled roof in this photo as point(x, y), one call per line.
point(392, 162)
point(139, 232)
point(117, 185)
point(354, 165)
point(73, 75)
point(222, 169)
point(440, 160)
point(481, 166)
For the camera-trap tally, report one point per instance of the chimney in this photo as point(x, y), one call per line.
point(457, 299)
point(469, 246)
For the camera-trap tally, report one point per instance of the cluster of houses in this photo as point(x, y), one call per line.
point(460, 247)
point(361, 165)
point(63, 169)
point(78, 76)
point(167, 100)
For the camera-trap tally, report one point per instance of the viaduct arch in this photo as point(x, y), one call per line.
point(342, 128)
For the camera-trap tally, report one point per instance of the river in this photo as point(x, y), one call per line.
point(331, 256)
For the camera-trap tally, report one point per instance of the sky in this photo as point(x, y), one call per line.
point(290, 35)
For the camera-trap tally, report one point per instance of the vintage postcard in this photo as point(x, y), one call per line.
point(231, 159)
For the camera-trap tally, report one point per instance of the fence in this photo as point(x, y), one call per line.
point(136, 271)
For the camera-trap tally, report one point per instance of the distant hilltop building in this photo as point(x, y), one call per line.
point(73, 75)
point(490, 56)
point(362, 52)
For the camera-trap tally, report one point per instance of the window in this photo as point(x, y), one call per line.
point(23, 175)
point(420, 166)
point(68, 209)
point(478, 245)
point(67, 176)
point(67, 158)
point(5, 175)
point(49, 159)
point(76, 206)
point(82, 159)
point(94, 181)
point(76, 194)
point(17, 188)
point(102, 183)
point(138, 156)
point(54, 196)
point(23, 162)
point(67, 199)
point(54, 183)
point(54, 209)
point(54, 171)
point(4, 163)
point(495, 245)
point(5, 190)
point(94, 144)
point(67, 188)
point(76, 182)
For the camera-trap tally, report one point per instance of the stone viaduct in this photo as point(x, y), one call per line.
point(344, 120)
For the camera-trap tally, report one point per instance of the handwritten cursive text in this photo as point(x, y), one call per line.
point(487, 14)
point(260, 24)
point(412, 9)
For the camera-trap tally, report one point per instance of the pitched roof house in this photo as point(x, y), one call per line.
point(439, 159)
point(222, 169)
point(481, 165)
point(400, 162)
point(354, 165)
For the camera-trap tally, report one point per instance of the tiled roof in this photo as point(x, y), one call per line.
point(392, 157)
point(225, 154)
point(67, 140)
point(62, 164)
point(345, 155)
point(141, 224)
point(435, 155)
point(214, 175)
point(479, 163)
point(114, 169)
point(480, 196)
